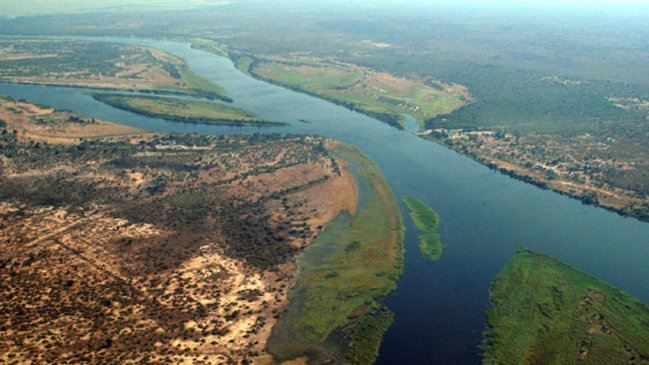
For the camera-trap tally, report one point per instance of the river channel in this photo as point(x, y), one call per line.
point(485, 216)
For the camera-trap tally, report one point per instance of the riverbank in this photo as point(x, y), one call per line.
point(192, 237)
point(379, 95)
point(354, 262)
point(579, 181)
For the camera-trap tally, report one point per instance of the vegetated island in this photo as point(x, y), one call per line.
point(183, 109)
point(377, 94)
point(546, 312)
point(427, 222)
point(333, 313)
point(105, 65)
point(120, 246)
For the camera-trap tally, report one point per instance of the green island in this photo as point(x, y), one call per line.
point(378, 94)
point(333, 313)
point(427, 221)
point(182, 109)
point(546, 312)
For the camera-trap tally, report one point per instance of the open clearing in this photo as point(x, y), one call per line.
point(378, 94)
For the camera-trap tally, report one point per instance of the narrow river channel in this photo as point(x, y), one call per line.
point(485, 216)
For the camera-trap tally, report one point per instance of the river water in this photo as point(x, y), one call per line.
point(485, 216)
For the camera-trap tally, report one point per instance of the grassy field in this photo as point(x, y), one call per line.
point(182, 110)
point(546, 312)
point(427, 221)
point(378, 94)
point(333, 314)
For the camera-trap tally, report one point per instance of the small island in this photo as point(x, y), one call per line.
point(183, 110)
point(427, 221)
point(546, 312)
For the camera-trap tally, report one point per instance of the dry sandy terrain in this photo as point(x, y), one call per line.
point(152, 249)
point(43, 124)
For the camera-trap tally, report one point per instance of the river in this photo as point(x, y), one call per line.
point(485, 216)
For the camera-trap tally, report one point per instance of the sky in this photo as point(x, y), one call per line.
point(39, 7)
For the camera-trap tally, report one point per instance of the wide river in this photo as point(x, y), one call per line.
point(485, 216)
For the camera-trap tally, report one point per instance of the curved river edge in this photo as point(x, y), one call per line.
point(487, 216)
point(400, 123)
point(333, 313)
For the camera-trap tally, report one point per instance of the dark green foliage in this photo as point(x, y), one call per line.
point(366, 342)
point(546, 312)
point(426, 221)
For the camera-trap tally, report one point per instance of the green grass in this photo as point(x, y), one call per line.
point(201, 86)
point(182, 109)
point(361, 89)
point(364, 346)
point(312, 77)
point(354, 262)
point(546, 312)
point(427, 221)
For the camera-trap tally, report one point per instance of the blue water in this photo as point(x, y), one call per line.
point(439, 306)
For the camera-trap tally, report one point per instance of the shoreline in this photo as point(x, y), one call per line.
point(586, 200)
point(311, 327)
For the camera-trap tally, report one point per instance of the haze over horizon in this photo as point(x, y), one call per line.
point(40, 7)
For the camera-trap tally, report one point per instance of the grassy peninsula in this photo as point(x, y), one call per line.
point(333, 313)
point(546, 312)
point(182, 110)
point(380, 95)
point(427, 221)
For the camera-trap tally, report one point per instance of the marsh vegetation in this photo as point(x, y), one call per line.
point(546, 312)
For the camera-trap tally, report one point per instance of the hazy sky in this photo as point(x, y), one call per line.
point(35, 7)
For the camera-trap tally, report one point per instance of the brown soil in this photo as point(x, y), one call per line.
point(149, 254)
point(43, 124)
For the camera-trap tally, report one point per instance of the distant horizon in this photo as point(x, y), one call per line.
point(572, 7)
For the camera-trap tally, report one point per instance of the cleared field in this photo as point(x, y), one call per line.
point(333, 314)
point(378, 94)
point(546, 312)
point(427, 221)
point(182, 110)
